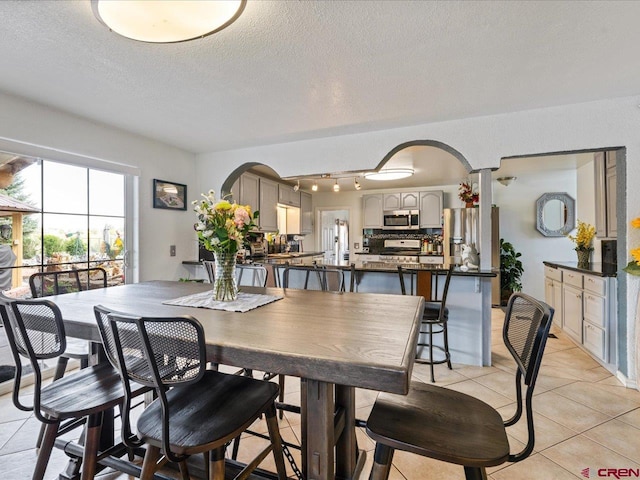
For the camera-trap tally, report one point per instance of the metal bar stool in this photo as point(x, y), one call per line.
point(434, 321)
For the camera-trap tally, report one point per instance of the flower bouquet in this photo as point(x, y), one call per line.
point(583, 239)
point(468, 194)
point(633, 267)
point(222, 228)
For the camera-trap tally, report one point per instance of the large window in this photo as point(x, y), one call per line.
point(55, 216)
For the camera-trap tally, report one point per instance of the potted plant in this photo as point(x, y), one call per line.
point(583, 240)
point(511, 271)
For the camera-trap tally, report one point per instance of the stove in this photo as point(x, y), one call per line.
point(400, 252)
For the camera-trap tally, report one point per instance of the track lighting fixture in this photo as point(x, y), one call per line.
point(314, 187)
point(296, 187)
point(356, 184)
point(336, 187)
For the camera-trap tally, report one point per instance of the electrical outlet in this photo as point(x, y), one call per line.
point(172, 250)
point(356, 246)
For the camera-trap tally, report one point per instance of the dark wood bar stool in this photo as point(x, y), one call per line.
point(197, 411)
point(439, 423)
point(35, 331)
point(434, 320)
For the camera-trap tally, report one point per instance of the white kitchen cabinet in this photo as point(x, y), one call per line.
point(268, 219)
point(306, 214)
point(553, 293)
point(605, 194)
point(372, 211)
point(400, 201)
point(430, 206)
point(288, 196)
point(249, 191)
point(589, 310)
point(572, 302)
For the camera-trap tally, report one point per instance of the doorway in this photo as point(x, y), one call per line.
point(333, 235)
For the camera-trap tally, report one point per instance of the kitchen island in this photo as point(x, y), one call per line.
point(469, 301)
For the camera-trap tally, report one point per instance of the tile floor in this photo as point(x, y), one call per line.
point(584, 419)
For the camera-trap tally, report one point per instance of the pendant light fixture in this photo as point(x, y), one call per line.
point(336, 187)
point(166, 21)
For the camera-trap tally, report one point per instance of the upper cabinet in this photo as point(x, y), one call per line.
point(306, 214)
point(605, 194)
point(430, 205)
point(400, 201)
point(288, 196)
point(249, 190)
point(372, 211)
point(268, 205)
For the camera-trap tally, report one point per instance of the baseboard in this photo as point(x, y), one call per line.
point(625, 381)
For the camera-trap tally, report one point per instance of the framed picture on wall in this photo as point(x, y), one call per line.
point(169, 195)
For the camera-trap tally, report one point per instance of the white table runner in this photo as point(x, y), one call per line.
point(244, 302)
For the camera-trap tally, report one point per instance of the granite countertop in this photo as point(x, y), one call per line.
point(598, 269)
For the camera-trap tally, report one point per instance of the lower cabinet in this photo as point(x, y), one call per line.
point(572, 301)
point(589, 309)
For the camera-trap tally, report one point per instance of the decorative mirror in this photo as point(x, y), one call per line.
point(555, 214)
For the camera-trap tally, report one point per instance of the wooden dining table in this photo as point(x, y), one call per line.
point(334, 342)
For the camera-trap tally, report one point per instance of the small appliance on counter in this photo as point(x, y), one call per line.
point(609, 251)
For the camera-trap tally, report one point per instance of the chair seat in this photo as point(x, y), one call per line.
point(89, 390)
point(432, 312)
point(234, 401)
point(424, 422)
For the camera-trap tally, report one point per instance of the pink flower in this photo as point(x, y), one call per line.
point(241, 217)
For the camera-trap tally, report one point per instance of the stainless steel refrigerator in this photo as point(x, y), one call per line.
point(462, 226)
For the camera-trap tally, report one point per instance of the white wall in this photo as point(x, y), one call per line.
point(32, 129)
point(483, 141)
point(517, 204)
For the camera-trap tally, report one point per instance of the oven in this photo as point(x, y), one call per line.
point(401, 220)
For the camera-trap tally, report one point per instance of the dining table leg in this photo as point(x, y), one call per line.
point(348, 461)
point(318, 429)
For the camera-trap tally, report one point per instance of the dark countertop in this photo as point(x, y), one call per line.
point(363, 268)
point(598, 269)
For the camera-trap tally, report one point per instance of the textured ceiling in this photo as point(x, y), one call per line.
point(289, 70)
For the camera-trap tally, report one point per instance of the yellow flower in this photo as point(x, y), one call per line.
point(635, 253)
point(222, 206)
point(584, 236)
point(635, 223)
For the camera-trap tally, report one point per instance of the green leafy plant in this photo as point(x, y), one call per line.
point(511, 271)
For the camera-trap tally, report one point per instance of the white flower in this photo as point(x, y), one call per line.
point(207, 233)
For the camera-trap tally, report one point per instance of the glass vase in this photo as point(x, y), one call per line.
point(225, 287)
point(583, 258)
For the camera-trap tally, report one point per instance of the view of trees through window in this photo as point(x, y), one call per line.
point(55, 217)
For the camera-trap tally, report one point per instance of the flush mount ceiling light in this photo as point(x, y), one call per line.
point(389, 174)
point(336, 187)
point(167, 21)
point(506, 181)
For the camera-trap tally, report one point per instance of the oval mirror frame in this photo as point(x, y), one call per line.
point(569, 214)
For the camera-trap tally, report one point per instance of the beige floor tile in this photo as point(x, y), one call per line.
point(599, 397)
point(415, 467)
point(580, 452)
point(8, 430)
point(441, 373)
point(535, 467)
point(631, 418)
point(501, 382)
point(471, 387)
point(544, 383)
point(619, 437)
point(472, 372)
point(567, 412)
point(573, 356)
point(547, 432)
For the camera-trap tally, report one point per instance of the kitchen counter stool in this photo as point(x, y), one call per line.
point(434, 321)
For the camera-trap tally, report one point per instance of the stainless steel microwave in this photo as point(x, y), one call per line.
point(401, 220)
